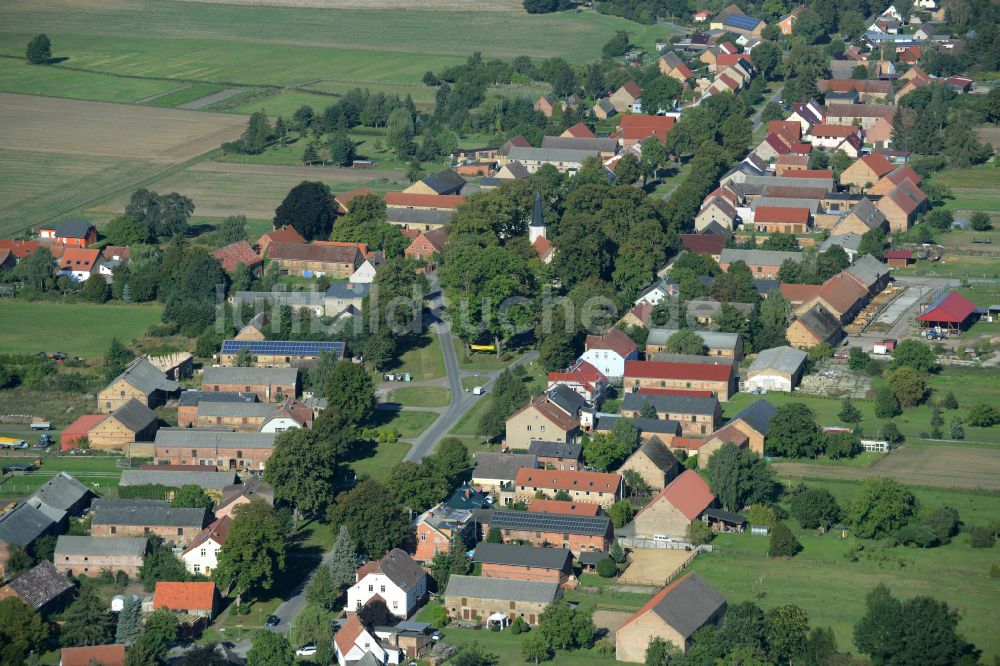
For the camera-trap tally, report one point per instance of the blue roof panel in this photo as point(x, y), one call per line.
point(741, 22)
point(283, 347)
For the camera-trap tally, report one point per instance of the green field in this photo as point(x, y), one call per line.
point(423, 362)
point(16, 76)
point(380, 461)
point(99, 472)
point(421, 396)
point(831, 588)
point(974, 188)
point(408, 424)
point(76, 329)
point(184, 95)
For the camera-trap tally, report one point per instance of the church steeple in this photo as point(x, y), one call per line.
point(537, 227)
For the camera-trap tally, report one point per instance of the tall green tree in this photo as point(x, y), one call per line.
point(739, 477)
point(566, 627)
point(191, 496)
point(351, 392)
point(269, 648)
point(39, 50)
point(787, 631)
point(257, 134)
point(794, 432)
point(374, 518)
point(87, 621)
point(255, 549)
point(309, 208)
point(343, 560)
point(129, 621)
point(22, 631)
point(882, 506)
point(302, 470)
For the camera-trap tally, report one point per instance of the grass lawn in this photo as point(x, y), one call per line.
point(825, 581)
point(423, 361)
point(507, 646)
point(409, 424)
point(974, 188)
point(98, 472)
point(381, 459)
point(480, 360)
point(77, 329)
point(184, 95)
point(421, 396)
point(18, 77)
point(468, 424)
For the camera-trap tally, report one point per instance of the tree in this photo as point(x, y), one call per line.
point(882, 506)
point(322, 590)
point(87, 620)
point(621, 513)
point(915, 354)
point(233, 229)
point(144, 653)
point(448, 562)
point(39, 50)
point(659, 652)
point(810, 26)
point(815, 507)
point(161, 215)
point(608, 450)
point(616, 552)
point(129, 621)
point(659, 95)
point(980, 221)
point(161, 630)
point(957, 431)
point(309, 208)
point(450, 461)
point(123, 230)
point(343, 559)
point(566, 627)
point(22, 631)
point(95, 289)
point(191, 496)
point(494, 535)
point(255, 549)
point(269, 648)
point(616, 46)
point(921, 630)
point(685, 341)
point(983, 415)
point(787, 630)
point(636, 485)
point(302, 470)
point(535, 649)
point(886, 404)
point(949, 401)
point(873, 243)
point(540, 6)
point(782, 542)
point(373, 516)
point(793, 432)
point(342, 150)
point(160, 563)
point(848, 412)
point(310, 154)
point(203, 655)
point(474, 654)
point(350, 391)
point(698, 532)
point(375, 613)
point(908, 386)
point(628, 170)
point(765, 58)
point(257, 134)
point(739, 477)
point(653, 155)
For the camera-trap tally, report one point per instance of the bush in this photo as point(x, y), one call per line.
point(698, 532)
point(607, 568)
point(918, 535)
point(783, 543)
point(981, 536)
point(761, 514)
point(815, 507)
point(994, 570)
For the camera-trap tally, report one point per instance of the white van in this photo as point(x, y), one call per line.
point(661, 537)
point(479, 390)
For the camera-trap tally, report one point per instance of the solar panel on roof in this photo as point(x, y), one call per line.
point(742, 22)
point(283, 347)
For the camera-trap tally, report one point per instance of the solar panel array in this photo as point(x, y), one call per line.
point(549, 522)
point(742, 22)
point(283, 347)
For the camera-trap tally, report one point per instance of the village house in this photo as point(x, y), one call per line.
point(198, 599)
point(131, 428)
point(545, 105)
point(444, 182)
point(43, 588)
point(654, 462)
point(140, 380)
point(438, 527)
point(697, 415)
point(603, 109)
point(226, 450)
point(345, 299)
point(396, 579)
point(717, 378)
point(814, 327)
point(89, 556)
point(762, 263)
point(776, 369)
point(787, 22)
point(494, 471)
point(718, 211)
point(578, 131)
point(71, 232)
point(862, 218)
point(335, 261)
point(748, 429)
point(862, 115)
point(671, 65)
point(255, 328)
point(577, 532)
point(139, 517)
point(674, 614)
point(609, 352)
point(671, 510)
point(865, 172)
point(557, 455)
point(582, 378)
point(626, 98)
point(236, 495)
point(202, 554)
point(605, 148)
point(78, 264)
point(278, 353)
point(726, 345)
point(540, 419)
point(270, 384)
point(511, 561)
point(902, 205)
point(286, 234)
point(565, 160)
point(426, 245)
point(704, 243)
point(397, 203)
point(889, 181)
point(88, 655)
point(841, 295)
point(781, 219)
point(369, 268)
point(665, 430)
point(240, 252)
point(597, 487)
point(358, 645)
point(656, 292)
point(189, 401)
point(498, 599)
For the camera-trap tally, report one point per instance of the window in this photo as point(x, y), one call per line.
point(423, 536)
point(246, 389)
point(512, 605)
point(114, 530)
point(239, 454)
point(122, 393)
point(371, 588)
point(203, 552)
point(197, 568)
point(358, 606)
point(194, 453)
point(543, 428)
point(529, 428)
point(180, 531)
point(383, 588)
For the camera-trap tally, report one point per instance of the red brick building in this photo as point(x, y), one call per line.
point(577, 533)
point(505, 560)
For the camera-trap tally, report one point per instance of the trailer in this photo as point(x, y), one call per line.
point(12, 443)
point(41, 425)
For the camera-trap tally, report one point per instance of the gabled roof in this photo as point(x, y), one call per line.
point(211, 439)
point(409, 199)
point(143, 376)
point(757, 415)
point(62, 492)
point(348, 634)
point(344, 199)
point(88, 655)
point(550, 522)
point(555, 415)
point(657, 453)
point(712, 339)
point(614, 340)
point(724, 207)
point(543, 449)
point(216, 531)
point(676, 404)
point(820, 321)
point(88, 545)
point(502, 589)
point(758, 257)
point(446, 181)
point(501, 465)
point(145, 513)
point(632, 88)
point(176, 479)
point(565, 508)
point(741, 22)
point(399, 567)
point(566, 399)
point(134, 415)
point(580, 131)
point(665, 369)
point(688, 493)
point(868, 270)
point(250, 376)
point(902, 173)
point(685, 605)
point(79, 259)
point(823, 130)
point(41, 584)
point(704, 243)
point(521, 556)
point(286, 234)
point(184, 596)
point(784, 359)
point(74, 227)
point(842, 292)
point(236, 253)
point(194, 398)
point(22, 525)
point(860, 111)
point(560, 479)
point(877, 163)
point(868, 213)
point(781, 215)
point(953, 308)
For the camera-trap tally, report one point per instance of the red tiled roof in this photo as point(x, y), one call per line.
point(688, 493)
point(324, 253)
point(286, 234)
point(79, 259)
point(781, 215)
point(642, 311)
point(105, 655)
point(436, 238)
point(877, 163)
point(633, 89)
point(580, 131)
point(899, 254)
point(411, 200)
point(561, 479)
point(729, 81)
point(899, 174)
point(824, 130)
point(792, 160)
point(236, 253)
point(19, 248)
point(565, 508)
point(841, 292)
point(727, 59)
point(111, 251)
point(543, 246)
point(348, 633)
point(344, 200)
point(860, 111)
point(184, 596)
point(799, 293)
point(615, 340)
point(953, 308)
point(731, 434)
point(687, 443)
point(704, 243)
point(84, 424)
point(678, 370)
point(786, 128)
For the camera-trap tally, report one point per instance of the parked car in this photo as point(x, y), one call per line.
point(306, 651)
point(272, 621)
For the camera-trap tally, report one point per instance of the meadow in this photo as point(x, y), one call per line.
point(76, 329)
point(973, 188)
point(830, 577)
point(18, 77)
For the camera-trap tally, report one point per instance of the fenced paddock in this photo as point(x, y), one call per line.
point(649, 566)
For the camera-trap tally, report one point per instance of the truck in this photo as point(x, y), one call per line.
point(41, 425)
point(12, 443)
